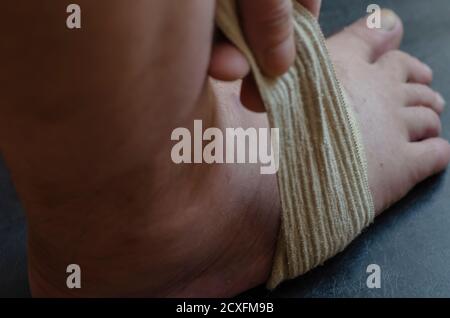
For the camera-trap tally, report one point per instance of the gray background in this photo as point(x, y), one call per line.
point(410, 242)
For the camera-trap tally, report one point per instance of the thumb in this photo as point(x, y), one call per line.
point(268, 27)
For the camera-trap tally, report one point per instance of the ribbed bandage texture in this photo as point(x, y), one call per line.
point(322, 178)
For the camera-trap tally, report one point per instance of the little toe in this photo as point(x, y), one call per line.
point(428, 158)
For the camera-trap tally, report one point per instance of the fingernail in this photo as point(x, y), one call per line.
point(388, 19)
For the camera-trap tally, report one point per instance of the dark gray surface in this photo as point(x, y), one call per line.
point(411, 242)
point(13, 267)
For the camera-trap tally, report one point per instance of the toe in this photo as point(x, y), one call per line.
point(405, 67)
point(371, 43)
point(427, 158)
point(422, 95)
point(422, 123)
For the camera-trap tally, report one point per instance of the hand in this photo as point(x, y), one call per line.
point(268, 26)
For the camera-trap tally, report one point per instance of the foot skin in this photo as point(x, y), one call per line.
point(397, 110)
point(218, 237)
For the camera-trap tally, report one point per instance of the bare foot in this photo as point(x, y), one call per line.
point(397, 110)
point(218, 236)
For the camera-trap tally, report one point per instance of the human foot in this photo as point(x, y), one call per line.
point(397, 111)
point(397, 114)
point(218, 236)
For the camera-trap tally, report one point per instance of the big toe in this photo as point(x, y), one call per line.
point(363, 39)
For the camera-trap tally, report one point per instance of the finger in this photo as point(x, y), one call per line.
point(268, 27)
point(227, 62)
point(312, 5)
point(250, 96)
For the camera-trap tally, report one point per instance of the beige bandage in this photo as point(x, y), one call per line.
point(325, 197)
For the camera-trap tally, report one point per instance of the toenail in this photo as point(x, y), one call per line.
point(441, 99)
point(388, 19)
